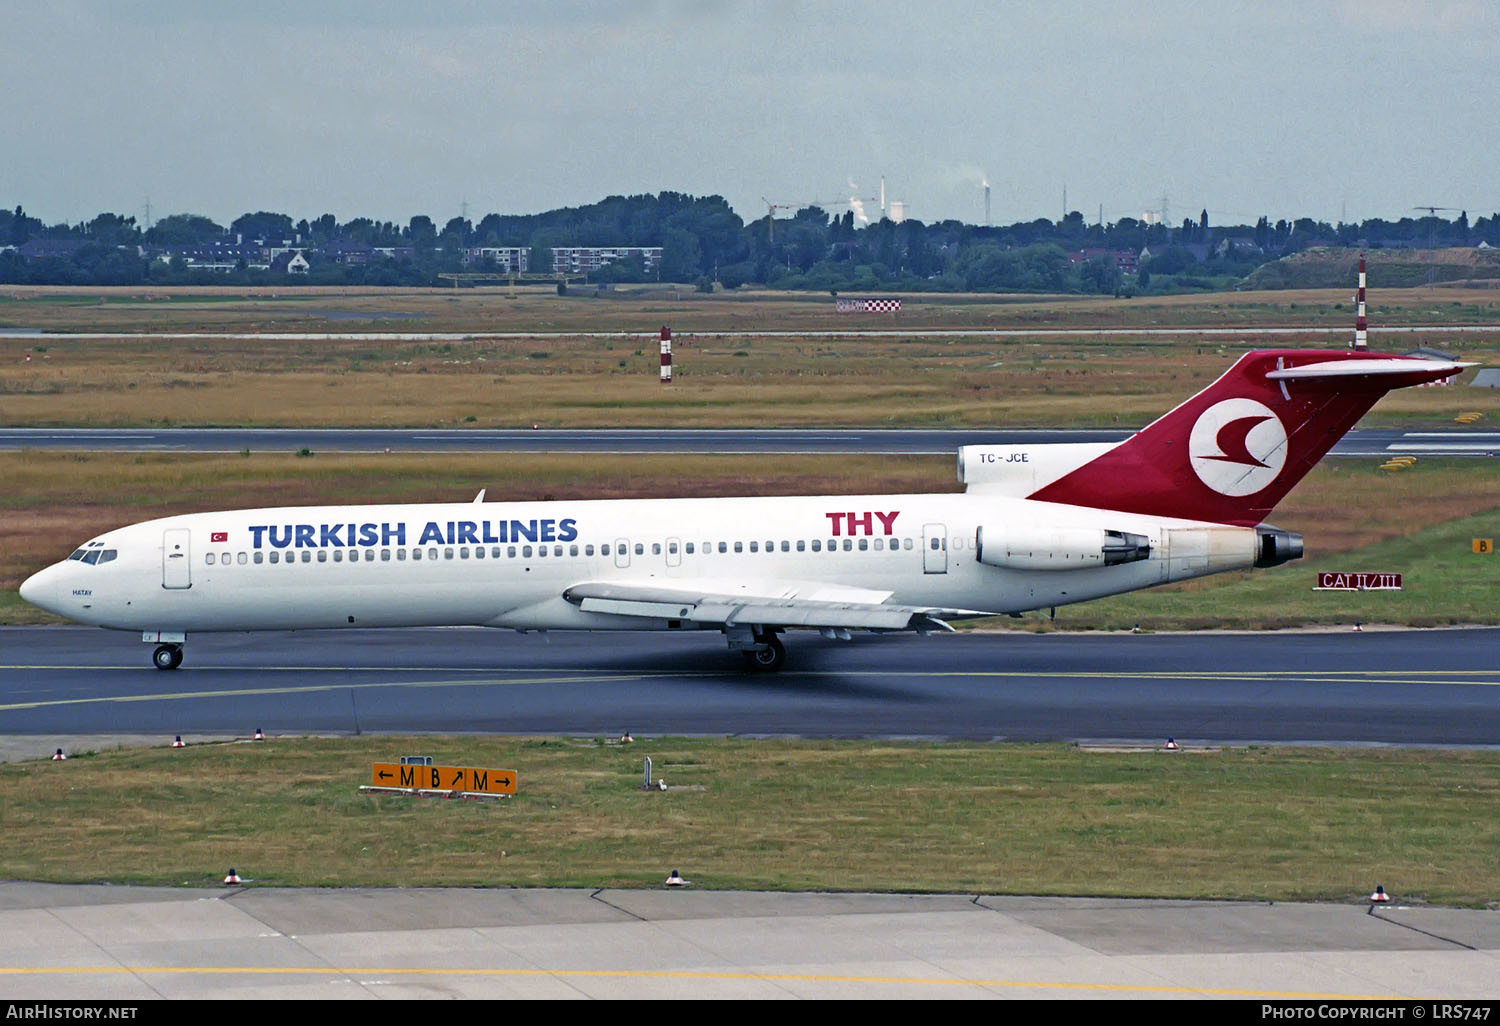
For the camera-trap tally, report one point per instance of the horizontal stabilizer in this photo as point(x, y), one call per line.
point(1427, 370)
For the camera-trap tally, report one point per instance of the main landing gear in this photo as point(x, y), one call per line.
point(167, 657)
point(760, 646)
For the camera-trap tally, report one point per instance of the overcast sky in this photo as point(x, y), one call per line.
point(389, 108)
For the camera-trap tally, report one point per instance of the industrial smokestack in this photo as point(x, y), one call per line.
point(986, 204)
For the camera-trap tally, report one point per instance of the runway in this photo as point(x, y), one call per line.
point(1372, 442)
point(1392, 687)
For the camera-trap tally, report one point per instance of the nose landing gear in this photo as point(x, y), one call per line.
point(167, 657)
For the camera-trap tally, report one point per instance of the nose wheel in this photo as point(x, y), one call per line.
point(167, 657)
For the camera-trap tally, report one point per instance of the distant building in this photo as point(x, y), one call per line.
point(583, 259)
point(1123, 260)
point(289, 262)
point(50, 249)
point(506, 259)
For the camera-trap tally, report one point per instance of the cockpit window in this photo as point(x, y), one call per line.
point(94, 553)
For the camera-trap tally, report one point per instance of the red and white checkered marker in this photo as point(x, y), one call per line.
point(1361, 340)
point(867, 305)
point(666, 355)
point(1380, 897)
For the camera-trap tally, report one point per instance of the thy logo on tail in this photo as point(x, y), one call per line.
point(1230, 453)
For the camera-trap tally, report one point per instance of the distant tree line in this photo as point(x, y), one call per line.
point(704, 242)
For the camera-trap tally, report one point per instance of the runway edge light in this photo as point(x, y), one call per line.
point(177, 743)
point(232, 877)
point(1379, 897)
point(58, 756)
point(674, 879)
point(1170, 746)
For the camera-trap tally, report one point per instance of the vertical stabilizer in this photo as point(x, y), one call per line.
point(1234, 450)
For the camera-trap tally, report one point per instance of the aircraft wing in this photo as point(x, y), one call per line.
point(773, 603)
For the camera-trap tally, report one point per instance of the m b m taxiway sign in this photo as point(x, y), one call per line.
point(444, 778)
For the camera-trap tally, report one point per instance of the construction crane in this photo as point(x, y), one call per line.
point(771, 209)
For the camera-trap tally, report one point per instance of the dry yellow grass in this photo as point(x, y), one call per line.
point(596, 382)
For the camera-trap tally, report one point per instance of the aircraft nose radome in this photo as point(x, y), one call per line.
point(40, 589)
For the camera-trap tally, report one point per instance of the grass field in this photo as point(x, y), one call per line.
point(1278, 824)
point(1267, 824)
point(1080, 378)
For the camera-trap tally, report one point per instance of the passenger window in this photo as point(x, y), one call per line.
point(463, 553)
point(479, 552)
point(338, 555)
point(322, 555)
point(400, 555)
point(208, 558)
point(817, 545)
point(557, 551)
point(416, 554)
point(432, 553)
point(723, 546)
point(879, 544)
point(447, 554)
point(510, 552)
point(275, 557)
point(786, 546)
point(801, 545)
point(224, 558)
point(755, 546)
point(604, 550)
point(495, 552)
point(689, 547)
point(572, 550)
point(906, 544)
point(526, 551)
point(640, 550)
point(306, 556)
point(385, 555)
point(739, 546)
point(864, 545)
point(656, 548)
point(259, 558)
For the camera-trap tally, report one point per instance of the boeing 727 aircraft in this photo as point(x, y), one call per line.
point(1038, 526)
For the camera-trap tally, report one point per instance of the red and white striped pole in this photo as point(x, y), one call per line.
point(666, 355)
point(1360, 339)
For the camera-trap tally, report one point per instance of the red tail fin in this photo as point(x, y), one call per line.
point(1230, 453)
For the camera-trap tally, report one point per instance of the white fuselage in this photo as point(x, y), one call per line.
point(509, 564)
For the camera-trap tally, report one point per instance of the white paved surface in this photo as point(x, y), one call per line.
point(127, 943)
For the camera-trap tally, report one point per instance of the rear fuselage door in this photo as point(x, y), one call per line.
point(935, 548)
point(176, 558)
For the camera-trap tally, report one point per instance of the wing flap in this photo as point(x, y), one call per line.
point(781, 603)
